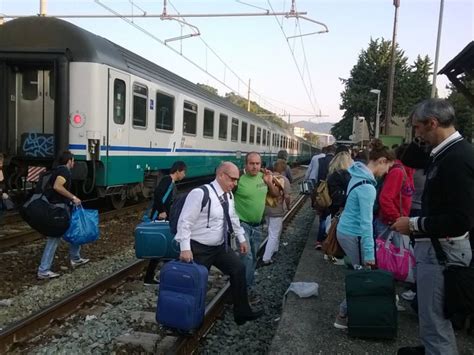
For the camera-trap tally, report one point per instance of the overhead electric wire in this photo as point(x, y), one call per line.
point(295, 61)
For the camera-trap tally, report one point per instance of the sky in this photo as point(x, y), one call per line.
point(295, 77)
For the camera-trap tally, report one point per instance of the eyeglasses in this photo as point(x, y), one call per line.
point(232, 178)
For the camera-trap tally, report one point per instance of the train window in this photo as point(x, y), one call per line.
point(243, 134)
point(29, 84)
point(223, 126)
point(189, 117)
point(252, 134)
point(208, 129)
point(264, 137)
point(234, 132)
point(268, 138)
point(140, 98)
point(259, 135)
point(119, 101)
point(164, 112)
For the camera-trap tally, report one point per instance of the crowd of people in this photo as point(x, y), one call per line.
point(424, 190)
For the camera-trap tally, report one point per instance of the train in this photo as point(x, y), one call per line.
point(125, 119)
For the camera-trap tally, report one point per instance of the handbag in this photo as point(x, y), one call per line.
point(393, 254)
point(330, 245)
point(458, 285)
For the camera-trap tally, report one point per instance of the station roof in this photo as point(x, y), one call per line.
point(461, 66)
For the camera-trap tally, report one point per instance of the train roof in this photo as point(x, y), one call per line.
point(50, 34)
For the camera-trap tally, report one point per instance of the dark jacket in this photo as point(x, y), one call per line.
point(323, 167)
point(448, 198)
point(159, 193)
point(337, 184)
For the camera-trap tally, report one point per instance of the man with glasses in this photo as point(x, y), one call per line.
point(250, 206)
point(204, 236)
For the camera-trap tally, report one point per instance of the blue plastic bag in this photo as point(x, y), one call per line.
point(84, 226)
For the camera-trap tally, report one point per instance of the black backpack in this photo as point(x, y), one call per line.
point(178, 204)
point(49, 219)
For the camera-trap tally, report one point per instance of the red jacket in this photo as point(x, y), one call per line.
point(399, 181)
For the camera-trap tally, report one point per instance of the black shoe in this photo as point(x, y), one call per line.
point(241, 319)
point(411, 350)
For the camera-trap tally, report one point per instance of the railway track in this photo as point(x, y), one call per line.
point(34, 324)
point(15, 231)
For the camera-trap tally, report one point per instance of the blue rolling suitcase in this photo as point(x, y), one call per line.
point(153, 240)
point(182, 295)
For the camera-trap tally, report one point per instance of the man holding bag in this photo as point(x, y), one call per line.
point(60, 193)
point(447, 215)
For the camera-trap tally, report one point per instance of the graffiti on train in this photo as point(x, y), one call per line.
point(38, 145)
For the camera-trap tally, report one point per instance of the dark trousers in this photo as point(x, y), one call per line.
point(150, 271)
point(229, 263)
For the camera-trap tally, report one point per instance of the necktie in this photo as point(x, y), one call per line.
point(225, 206)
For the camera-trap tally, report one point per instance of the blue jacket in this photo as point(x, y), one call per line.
point(356, 219)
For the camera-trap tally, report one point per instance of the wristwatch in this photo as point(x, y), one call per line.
point(412, 224)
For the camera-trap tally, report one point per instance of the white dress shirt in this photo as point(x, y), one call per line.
point(192, 223)
point(312, 172)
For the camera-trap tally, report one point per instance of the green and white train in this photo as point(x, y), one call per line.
point(125, 118)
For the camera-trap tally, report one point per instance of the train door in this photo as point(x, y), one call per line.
point(118, 130)
point(34, 119)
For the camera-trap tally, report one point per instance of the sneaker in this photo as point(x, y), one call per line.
point(267, 263)
point(340, 322)
point(337, 261)
point(318, 246)
point(47, 275)
point(408, 295)
point(253, 299)
point(79, 262)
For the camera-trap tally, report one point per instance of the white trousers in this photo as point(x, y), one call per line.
point(275, 225)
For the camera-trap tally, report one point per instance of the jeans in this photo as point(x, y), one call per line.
point(253, 235)
point(50, 250)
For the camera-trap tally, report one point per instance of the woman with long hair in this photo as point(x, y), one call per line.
point(354, 231)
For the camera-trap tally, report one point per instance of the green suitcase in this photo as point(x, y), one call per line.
point(371, 304)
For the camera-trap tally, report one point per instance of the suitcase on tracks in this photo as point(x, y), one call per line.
point(371, 303)
point(153, 240)
point(182, 295)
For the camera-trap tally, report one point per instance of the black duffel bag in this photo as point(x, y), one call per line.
point(458, 290)
point(49, 219)
point(458, 285)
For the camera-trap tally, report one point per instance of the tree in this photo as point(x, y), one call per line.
point(371, 72)
point(256, 109)
point(209, 88)
point(311, 137)
point(464, 110)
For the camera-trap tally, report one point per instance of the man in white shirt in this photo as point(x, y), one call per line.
point(313, 167)
point(204, 237)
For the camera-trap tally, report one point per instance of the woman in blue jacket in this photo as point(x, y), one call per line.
point(356, 219)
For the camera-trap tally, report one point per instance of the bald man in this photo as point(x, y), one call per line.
point(206, 239)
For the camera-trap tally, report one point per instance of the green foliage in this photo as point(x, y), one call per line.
point(256, 109)
point(211, 89)
point(464, 110)
point(311, 138)
point(371, 71)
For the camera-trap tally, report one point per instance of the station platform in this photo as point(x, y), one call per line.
point(306, 324)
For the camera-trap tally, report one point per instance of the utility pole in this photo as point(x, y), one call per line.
point(43, 4)
point(248, 98)
point(438, 41)
point(388, 115)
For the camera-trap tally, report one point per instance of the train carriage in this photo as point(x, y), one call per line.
point(125, 118)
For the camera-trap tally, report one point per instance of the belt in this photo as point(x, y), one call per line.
point(251, 224)
point(444, 240)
